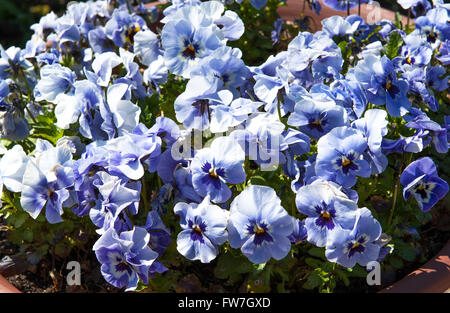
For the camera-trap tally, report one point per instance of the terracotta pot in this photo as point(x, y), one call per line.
point(6, 286)
point(433, 277)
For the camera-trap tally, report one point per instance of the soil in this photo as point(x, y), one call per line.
point(48, 276)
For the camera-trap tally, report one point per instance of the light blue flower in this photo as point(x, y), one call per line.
point(55, 79)
point(212, 168)
point(184, 45)
point(358, 245)
point(203, 230)
point(122, 27)
point(45, 182)
point(374, 127)
point(379, 79)
point(259, 225)
point(193, 106)
point(317, 116)
point(86, 106)
point(327, 208)
point(12, 168)
point(340, 156)
point(159, 233)
point(116, 196)
point(125, 257)
point(223, 69)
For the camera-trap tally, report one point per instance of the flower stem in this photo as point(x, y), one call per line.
point(391, 214)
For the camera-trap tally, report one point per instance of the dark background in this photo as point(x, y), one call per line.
point(16, 17)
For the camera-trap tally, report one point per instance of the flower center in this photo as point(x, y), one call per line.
point(197, 229)
point(189, 52)
point(345, 162)
point(423, 189)
point(326, 215)
point(259, 230)
point(213, 173)
point(388, 85)
point(355, 245)
point(130, 32)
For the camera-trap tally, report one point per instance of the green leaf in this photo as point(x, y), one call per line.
point(140, 286)
point(314, 280)
point(357, 271)
point(343, 276)
point(230, 267)
point(406, 251)
point(396, 262)
point(257, 180)
point(314, 263)
point(317, 252)
point(28, 235)
point(393, 45)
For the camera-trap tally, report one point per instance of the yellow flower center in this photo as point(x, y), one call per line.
point(326, 215)
point(345, 161)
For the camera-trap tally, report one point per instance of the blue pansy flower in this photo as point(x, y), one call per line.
point(374, 126)
point(314, 57)
point(298, 144)
point(212, 168)
point(223, 69)
point(184, 45)
point(259, 225)
point(227, 115)
point(231, 25)
point(420, 179)
point(378, 77)
point(444, 53)
point(275, 34)
point(327, 208)
point(342, 5)
point(86, 106)
point(414, 53)
point(122, 27)
point(434, 26)
point(159, 233)
point(13, 125)
point(12, 168)
point(427, 128)
point(55, 79)
point(358, 245)
point(45, 183)
point(147, 46)
point(116, 196)
point(338, 26)
point(316, 117)
point(299, 234)
point(203, 230)
point(192, 107)
point(418, 7)
point(125, 257)
point(258, 4)
point(349, 94)
point(340, 156)
point(262, 139)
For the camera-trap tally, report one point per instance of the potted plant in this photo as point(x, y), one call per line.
point(207, 147)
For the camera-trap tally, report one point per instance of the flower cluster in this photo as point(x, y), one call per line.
point(314, 115)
